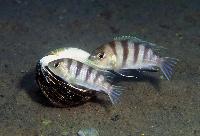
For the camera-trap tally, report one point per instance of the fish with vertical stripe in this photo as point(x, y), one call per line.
point(125, 53)
point(83, 76)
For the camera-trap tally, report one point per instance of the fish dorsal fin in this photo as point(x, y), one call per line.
point(157, 49)
point(132, 38)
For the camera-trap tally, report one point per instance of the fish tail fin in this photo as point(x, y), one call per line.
point(114, 94)
point(166, 65)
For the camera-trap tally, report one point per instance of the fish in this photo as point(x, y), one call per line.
point(81, 75)
point(59, 92)
point(127, 53)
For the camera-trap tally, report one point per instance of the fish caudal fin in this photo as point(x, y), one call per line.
point(166, 65)
point(115, 93)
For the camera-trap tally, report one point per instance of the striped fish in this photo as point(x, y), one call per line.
point(125, 53)
point(59, 92)
point(82, 75)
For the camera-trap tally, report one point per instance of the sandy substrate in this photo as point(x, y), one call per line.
point(149, 107)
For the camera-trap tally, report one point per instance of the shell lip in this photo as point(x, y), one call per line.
point(72, 53)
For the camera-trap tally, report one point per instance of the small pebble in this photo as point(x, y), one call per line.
point(46, 122)
point(23, 71)
point(162, 77)
point(179, 35)
point(88, 132)
point(115, 118)
point(1, 95)
point(66, 133)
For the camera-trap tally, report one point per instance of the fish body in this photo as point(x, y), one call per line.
point(83, 76)
point(131, 53)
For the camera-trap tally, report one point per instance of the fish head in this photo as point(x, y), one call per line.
point(58, 67)
point(103, 57)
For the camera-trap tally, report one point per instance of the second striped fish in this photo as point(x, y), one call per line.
point(84, 76)
point(125, 53)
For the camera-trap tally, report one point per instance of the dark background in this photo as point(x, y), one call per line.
point(31, 28)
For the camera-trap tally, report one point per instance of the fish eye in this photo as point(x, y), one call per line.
point(56, 64)
point(101, 55)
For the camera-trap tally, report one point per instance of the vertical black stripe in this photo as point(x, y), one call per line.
point(136, 51)
point(89, 70)
point(125, 51)
point(79, 67)
point(112, 45)
point(96, 77)
point(69, 63)
point(146, 49)
point(152, 55)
